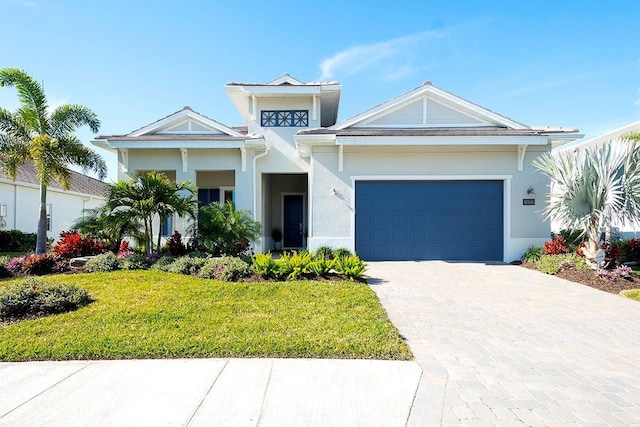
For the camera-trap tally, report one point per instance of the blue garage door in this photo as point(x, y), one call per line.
point(423, 220)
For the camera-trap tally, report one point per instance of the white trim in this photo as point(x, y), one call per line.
point(176, 144)
point(506, 197)
point(441, 140)
point(285, 78)
point(227, 188)
point(522, 150)
point(314, 109)
point(340, 158)
point(425, 109)
point(184, 155)
point(124, 155)
point(304, 216)
point(254, 108)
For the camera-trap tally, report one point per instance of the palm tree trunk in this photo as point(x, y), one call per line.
point(159, 235)
point(41, 241)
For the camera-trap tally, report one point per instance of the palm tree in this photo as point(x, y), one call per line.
point(35, 134)
point(150, 195)
point(594, 187)
point(108, 226)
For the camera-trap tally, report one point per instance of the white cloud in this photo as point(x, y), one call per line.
point(397, 57)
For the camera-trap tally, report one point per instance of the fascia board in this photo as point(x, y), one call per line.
point(176, 144)
point(441, 140)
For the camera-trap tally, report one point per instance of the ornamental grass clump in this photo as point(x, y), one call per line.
point(266, 266)
point(351, 266)
point(35, 297)
point(293, 265)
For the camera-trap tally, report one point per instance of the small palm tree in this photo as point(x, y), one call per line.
point(149, 195)
point(35, 134)
point(594, 187)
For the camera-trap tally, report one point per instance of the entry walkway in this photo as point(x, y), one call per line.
point(503, 345)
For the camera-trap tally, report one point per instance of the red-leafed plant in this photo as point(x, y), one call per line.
point(175, 245)
point(631, 249)
point(555, 247)
point(72, 245)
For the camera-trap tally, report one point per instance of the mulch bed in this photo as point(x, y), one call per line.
point(590, 278)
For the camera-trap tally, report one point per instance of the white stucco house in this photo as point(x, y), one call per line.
point(20, 201)
point(425, 175)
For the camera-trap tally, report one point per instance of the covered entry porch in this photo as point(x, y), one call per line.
point(285, 207)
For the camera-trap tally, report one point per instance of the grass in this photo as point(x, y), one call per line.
point(152, 314)
point(631, 293)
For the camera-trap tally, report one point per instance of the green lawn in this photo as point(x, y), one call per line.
point(152, 314)
point(631, 293)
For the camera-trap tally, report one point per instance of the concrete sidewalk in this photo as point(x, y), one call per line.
point(211, 392)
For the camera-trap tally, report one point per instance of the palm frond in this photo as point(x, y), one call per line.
point(68, 118)
point(31, 95)
point(13, 154)
point(71, 150)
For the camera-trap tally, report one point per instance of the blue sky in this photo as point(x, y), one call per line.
point(569, 63)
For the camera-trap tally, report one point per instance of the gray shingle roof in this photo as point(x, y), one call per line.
point(79, 183)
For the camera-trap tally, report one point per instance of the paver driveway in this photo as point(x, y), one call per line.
point(503, 345)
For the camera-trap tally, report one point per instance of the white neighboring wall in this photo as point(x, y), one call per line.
point(22, 201)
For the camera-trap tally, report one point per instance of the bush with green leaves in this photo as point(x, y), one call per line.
point(351, 266)
point(103, 262)
point(552, 264)
point(226, 269)
point(573, 238)
point(4, 273)
point(135, 261)
point(293, 265)
point(163, 263)
point(223, 230)
point(342, 252)
point(186, 264)
point(266, 266)
point(17, 241)
point(320, 266)
point(34, 296)
point(324, 252)
point(533, 254)
point(39, 265)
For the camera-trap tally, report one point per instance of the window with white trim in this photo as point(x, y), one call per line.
point(284, 118)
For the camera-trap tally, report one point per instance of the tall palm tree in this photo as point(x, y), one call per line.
point(150, 195)
point(35, 134)
point(594, 187)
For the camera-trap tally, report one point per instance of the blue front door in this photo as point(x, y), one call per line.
point(293, 221)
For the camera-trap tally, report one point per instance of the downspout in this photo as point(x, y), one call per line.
point(255, 192)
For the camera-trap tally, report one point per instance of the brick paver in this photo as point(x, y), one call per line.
point(503, 345)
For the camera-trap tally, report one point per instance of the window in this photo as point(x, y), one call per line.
point(48, 217)
point(167, 227)
point(284, 118)
point(220, 195)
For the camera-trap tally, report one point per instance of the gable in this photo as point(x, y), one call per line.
point(428, 107)
point(189, 126)
point(185, 122)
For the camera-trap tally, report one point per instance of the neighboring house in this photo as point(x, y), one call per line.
point(616, 230)
point(425, 175)
point(20, 201)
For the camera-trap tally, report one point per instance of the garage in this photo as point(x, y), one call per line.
point(429, 220)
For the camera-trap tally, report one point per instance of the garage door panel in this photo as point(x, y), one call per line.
point(414, 220)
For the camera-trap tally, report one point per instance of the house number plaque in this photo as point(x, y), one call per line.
point(528, 202)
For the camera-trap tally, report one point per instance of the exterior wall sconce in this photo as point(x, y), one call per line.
point(530, 191)
point(334, 192)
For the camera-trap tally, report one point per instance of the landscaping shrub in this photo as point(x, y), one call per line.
point(17, 241)
point(223, 230)
point(266, 266)
point(103, 262)
point(39, 265)
point(175, 246)
point(226, 269)
point(631, 250)
point(187, 265)
point(631, 293)
point(73, 245)
point(15, 264)
point(351, 266)
point(124, 250)
point(552, 264)
point(556, 246)
point(135, 261)
point(320, 266)
point(533, 254)
point(342, 252)
point(623, 272)
point(36, 297)
point(573, 238)
point(324, 252)
point(4, 273)
point(163, 263)
point(294, 264)
point(613, 253)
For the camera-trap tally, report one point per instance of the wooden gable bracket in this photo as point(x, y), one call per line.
point(184, 153)
point(522, 150)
